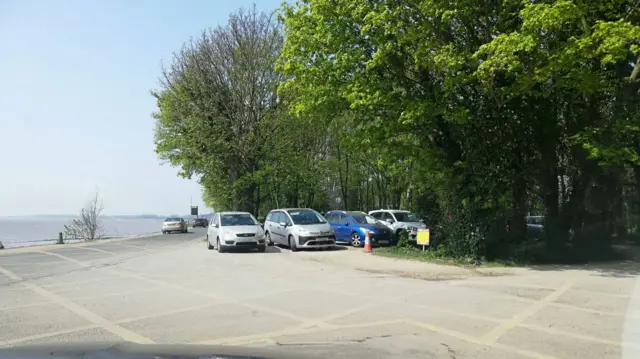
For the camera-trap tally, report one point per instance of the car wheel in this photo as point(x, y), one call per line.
point(292, 244)
point(356, 241)
point(219, 247)
point(268, 239)
point(262, 249)
point(209, 246)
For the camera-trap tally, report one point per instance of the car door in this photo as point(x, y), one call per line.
point(343, 229)
point(333, 218)
point(268, 224)
point(277, 231)
point(387, 219)
point(214, 228)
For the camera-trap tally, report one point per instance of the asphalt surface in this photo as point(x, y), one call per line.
point(171, 289)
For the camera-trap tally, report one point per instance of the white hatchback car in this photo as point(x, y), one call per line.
point(235, 230)
point(298, 228)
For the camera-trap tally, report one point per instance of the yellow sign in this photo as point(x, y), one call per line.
point(423, 237)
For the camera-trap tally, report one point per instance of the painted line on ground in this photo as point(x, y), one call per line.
point(13, 307)
point(81, 311)
point(10, 342)
point(478, 341)
point(494, 334)
point(98, 250)
point(82, 264)
point(207, 294)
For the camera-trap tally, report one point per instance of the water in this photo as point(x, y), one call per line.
point(26, 231)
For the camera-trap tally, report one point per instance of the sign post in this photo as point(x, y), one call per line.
point(194, 211)
point(423, 237)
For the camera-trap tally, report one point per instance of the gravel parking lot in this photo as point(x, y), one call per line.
point(171, 289)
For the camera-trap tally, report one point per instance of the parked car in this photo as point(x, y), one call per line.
point(200, 222)
point(535, 226)
point(174, 224)
point(235, 230)
point(351, 227)
point(298, 228)
point(399, 220)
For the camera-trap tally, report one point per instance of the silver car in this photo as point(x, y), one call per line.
point(298, 228)
point(235, 230)
point(398, 220)
point(174, 225)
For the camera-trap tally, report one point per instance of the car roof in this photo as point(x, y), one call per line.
point(290, 209)
point(391, 210)
point(233, 212)
point(335, 211)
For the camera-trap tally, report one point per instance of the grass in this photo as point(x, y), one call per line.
point(526, 255)
point(417, 254)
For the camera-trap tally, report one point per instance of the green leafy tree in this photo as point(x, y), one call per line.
point(216, 105)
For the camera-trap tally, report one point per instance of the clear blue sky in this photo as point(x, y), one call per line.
point(75, 109)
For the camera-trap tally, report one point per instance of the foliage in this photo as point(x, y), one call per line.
point(87, 226)
point(473, 114)
point(217, 104)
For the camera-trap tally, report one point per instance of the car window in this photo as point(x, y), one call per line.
point(306, 216)
point(342, 218)
point(329, 217)
point(362, 218)
point(377, 215)
point(269, 217)
point(406, 217)
point(276, 217)
point(172, 219)
point(387, 215)
point(239, 219)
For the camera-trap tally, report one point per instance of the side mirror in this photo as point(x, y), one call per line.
point(389, 220)
point(346, 224)
point(283, 224)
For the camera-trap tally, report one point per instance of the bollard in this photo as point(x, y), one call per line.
point(1, 246)
point(60, 240)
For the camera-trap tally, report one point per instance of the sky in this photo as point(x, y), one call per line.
point(75, 109)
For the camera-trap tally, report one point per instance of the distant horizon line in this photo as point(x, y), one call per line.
point(105, 215)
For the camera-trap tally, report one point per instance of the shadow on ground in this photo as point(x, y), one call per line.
point(626, 264)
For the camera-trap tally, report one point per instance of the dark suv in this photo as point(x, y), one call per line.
point(200, 222)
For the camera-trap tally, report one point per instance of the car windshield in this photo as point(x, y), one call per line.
point(406, 217)
point(172, 220)
point(240, 219)
point(535, 220)
point(306, 216)
point(362, 218)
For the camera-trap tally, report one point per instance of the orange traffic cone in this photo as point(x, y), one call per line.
point(367, 243)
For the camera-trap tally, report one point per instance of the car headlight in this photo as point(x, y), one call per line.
point(303, 232)
point(260, 234)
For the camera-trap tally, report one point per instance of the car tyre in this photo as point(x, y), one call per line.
point(292, 244)
point(220, 248)
point(262, 249)
point(268, 239)
point(209, 246)
point(356, 240)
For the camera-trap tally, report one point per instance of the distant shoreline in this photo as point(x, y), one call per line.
point(124, 216)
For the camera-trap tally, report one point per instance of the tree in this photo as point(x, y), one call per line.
point(488, 104)
point(88, 225)
point(216, 107)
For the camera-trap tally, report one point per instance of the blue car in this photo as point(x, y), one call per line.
point(351, 227)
